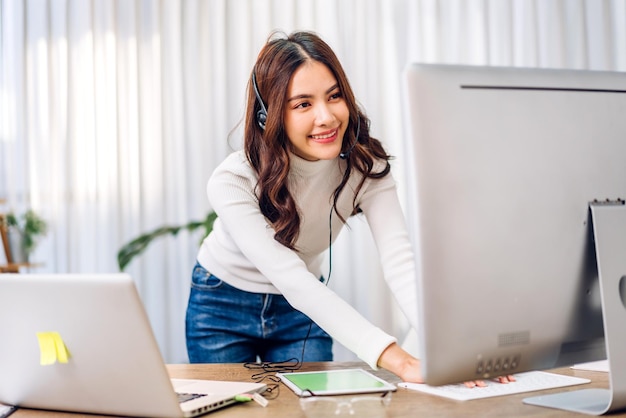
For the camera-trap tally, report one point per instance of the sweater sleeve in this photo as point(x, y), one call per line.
point(381, 206)
point(233, 199)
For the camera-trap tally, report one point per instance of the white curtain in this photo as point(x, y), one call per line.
point(113, 113)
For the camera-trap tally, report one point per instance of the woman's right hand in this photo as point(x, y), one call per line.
point(401, 363)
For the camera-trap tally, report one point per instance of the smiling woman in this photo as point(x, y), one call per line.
point(275, 200)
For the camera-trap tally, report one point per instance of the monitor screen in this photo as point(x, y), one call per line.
point(504, 163)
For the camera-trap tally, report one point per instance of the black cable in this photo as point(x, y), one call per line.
point(268, 369)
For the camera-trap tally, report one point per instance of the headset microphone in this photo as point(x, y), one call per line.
point(261, 115)
point(345, 154)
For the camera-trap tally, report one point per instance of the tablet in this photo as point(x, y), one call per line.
point(334, 382)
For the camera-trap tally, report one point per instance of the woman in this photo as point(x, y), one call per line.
point(308, 164)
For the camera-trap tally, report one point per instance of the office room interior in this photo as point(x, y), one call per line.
point(113, 115)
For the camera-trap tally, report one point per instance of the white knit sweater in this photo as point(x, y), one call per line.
point(242, 251)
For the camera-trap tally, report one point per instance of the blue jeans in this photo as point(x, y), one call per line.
point(228, 325)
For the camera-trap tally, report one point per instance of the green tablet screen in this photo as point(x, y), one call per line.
point(335, 382)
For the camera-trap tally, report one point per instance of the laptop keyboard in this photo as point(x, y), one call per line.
point(184, 397)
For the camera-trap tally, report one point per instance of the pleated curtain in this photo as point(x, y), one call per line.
point(113, 114)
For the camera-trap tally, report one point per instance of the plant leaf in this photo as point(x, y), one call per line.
point(138, 245)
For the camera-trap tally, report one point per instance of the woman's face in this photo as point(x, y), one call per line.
point(316, 114)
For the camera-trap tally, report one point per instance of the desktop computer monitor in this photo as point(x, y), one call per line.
point(504, 164)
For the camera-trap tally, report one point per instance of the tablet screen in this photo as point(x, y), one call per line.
point(334, 382)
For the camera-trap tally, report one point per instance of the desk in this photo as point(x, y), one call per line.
point(405, 403)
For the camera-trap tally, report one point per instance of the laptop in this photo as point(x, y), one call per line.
point(83, 343)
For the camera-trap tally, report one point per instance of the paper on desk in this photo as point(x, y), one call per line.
point(6, 410)
point(594, 366)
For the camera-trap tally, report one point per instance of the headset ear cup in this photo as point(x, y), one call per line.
point(261, 118)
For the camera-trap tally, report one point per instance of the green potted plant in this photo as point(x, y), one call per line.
point(135, 247)
point(23, 234)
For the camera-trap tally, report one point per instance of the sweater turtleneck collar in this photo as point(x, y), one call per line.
point(306, 168)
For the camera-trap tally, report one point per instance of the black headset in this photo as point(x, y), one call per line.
point(261, 115)
point(261, 118)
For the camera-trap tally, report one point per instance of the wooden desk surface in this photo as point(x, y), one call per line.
point(405, 403)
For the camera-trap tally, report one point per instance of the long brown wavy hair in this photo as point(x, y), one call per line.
point(267, 149)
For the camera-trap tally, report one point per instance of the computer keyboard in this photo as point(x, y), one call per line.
point(525, 382)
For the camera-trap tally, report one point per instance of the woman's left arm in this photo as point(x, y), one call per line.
point(381, 206)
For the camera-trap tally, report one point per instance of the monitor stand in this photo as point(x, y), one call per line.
point(609, 226)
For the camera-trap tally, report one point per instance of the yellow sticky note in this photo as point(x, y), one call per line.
point(52, 348)
point(48, 354)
